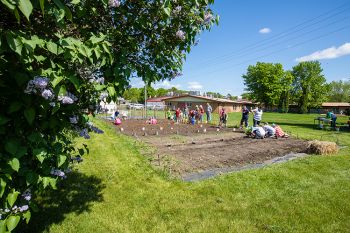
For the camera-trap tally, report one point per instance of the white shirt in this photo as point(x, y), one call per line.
point(257, 115)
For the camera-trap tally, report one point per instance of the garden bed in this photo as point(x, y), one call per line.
point(184, 149)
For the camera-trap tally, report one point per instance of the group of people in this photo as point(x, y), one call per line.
point(191, 116)
point(257, 116)
point(260, 132)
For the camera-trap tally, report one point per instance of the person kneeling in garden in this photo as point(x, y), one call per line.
point(270, 131)
point(279, 132)
point(258, 132)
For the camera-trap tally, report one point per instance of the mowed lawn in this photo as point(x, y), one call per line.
point(116, 190)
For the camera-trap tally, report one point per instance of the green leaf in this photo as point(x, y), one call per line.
point(56, 81)
point(62, 91)
point(75, 81)
point(27, 215)
point(3, 226)
point(49, 181)
point(81, 151)
point(167, 11)
point(2, 186)
point(14, 163)
point(52, 47)
point(18, 17)
point(12, 197)
point(10, 4)
point(42, 6)
point(3, 120)
point(111, 91)
point(61, 160)
point(75, 1)
point(59, 4)
point(31, 178)
point(11, 146)
point(15, 44)
point(40, 154)
point(14, 107)
point(12, 222)
point(29, 114)
point(68, 13)
point(26, 7)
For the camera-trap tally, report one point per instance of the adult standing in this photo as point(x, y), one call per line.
point(257, 116)
point(208, 112)
point(245, 116)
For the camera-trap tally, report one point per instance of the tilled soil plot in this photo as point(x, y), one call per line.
point(166, 127)
point(184, 149)
point(184, 155)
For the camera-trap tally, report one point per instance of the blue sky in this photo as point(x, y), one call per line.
point(268, 31)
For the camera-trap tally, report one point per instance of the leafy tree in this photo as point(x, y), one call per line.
point(151, 92)
point(264, 82)
point(339, 91)
point(309, 85)
point(247, 96)
point(133, 94)
point(161, 92)
point(285, 97)
point(58, 59)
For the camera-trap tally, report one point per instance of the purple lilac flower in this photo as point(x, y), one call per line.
point(78, 159)
point(57, 172)
point(177, 9)
point(23, 208)
point(180, 34)
point(40, 82)
point(47, 94)
point(114, 3)
point(94, 128)
point(27, 195)
point(84, 133)
point(69, 98)
point(73, 120)
point(207, 17)
point(103, 95)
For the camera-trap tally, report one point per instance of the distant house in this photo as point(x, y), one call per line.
point(217, 103)
point(336, 107)
point(157, 102)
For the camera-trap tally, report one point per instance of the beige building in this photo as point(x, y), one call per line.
point(216, 103)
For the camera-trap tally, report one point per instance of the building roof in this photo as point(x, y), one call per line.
point(158, 99)
point(208, 99)
point(336, 104)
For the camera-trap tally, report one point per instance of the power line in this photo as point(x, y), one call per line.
point(283, 33)
point(271, 46)
point(278, 51)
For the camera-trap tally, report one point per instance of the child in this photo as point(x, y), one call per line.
point(223, 117)
point(279, 132)
point(118, 121)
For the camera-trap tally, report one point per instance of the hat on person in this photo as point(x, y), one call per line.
point(273, 125)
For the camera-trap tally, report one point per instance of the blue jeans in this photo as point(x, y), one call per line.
point(208, 116)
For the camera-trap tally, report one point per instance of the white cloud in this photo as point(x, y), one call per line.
point(265, 30)
point(166, 84)
point(330, 53)
point(195, 85)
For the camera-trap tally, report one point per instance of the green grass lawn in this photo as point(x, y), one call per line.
point(116, 190)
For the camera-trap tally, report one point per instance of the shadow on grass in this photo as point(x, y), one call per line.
point(75, 194)
point(301, 125)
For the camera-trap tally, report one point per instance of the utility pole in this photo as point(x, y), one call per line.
point(145, 101)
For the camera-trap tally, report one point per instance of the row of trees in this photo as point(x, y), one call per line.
point(304, 85)
point(57, 60)
point(137, 95)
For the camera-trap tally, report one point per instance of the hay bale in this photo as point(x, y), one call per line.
point(322, 147)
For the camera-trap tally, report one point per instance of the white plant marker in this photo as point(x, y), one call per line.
point(121, 130)
point(217, 130)
point(143, 128)
point(161, 128)
point(204, 130)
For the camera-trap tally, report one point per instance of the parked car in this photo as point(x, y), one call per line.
point(136, 106)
